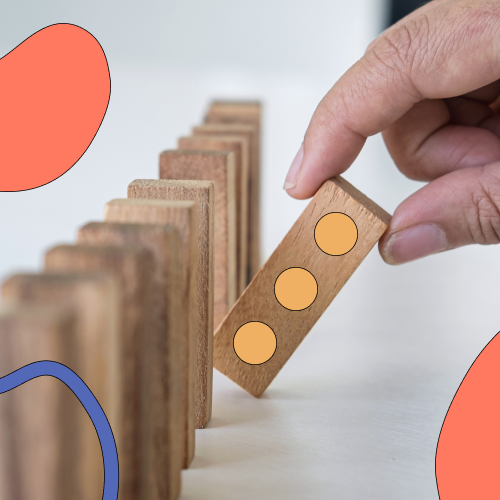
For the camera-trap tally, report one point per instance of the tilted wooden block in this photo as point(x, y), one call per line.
point(39, 419)
point(93, 298)
point(183, 215)
point(202, 192)
point(240, 147)
point(147, 384)
point(295, 286)
point(250, 130)
point(218, 167)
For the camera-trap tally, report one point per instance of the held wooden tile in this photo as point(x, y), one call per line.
point(144, 386)
point(218, 167)
point(202, 192)
point(162, 391)
point(39, 419)
point(298, 249)
point(240, 147)
point(183, 215)
point(250, 132)
point(93, 298)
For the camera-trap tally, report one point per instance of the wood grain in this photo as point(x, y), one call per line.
point(227, 111)
point(162, 392)
point(40, 419)
point(249, 132)
point(241, 114)
point(183, 215)
point(240, 147)
point(201, 192)
point(298, 249)
point(145, 385)
point(93, 298)
point(218, 167)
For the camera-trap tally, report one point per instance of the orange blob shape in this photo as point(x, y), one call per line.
point(254, 343)
point(336, 233)
point(296, 288)
point(468, 452)
point(54, 92)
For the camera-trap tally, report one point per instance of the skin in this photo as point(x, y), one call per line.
point(431, 85)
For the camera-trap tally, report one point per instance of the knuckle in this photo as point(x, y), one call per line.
point(439, 40)
point(409, 159)
point(410, 167)
point(388, 65)
point(477, 34)
point(484, 217)
point(414, 171)
point(402, 48)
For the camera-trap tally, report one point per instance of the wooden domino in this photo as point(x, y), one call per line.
point(162, 355)
point(183, 215)
point(240, 147)
point(251, 133)
point(222, 111)
point(295, 286)
point(38, 420)
point(218, 167)
point(202, 192)
point(143, 356)
point(93, 298)
point(241, 114)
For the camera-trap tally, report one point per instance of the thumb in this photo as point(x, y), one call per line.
point(458, 209)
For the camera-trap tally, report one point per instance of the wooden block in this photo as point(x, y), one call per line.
point(218, 167)
point(240, 147)
point(144, 355)
point(240, 113)
point(245, 113)
point(39, 419)
point(299, 249)
point(222, 111)
point(93, 298)
point(202, 192)
point(250, 134)
point(183, 215)
point(163, 242)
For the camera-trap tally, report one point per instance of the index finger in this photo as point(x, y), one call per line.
point(444, 51)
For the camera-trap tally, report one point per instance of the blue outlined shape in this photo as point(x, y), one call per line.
point(89, 402)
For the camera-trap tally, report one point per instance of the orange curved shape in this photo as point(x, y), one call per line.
point(468, 451)
point(54, 92)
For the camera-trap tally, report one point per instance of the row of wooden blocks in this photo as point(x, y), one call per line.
point(131, 308)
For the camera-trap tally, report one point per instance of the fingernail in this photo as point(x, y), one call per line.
point(293, 173)
point(414, 243)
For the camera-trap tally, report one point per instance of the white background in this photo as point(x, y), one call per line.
point(356, 413)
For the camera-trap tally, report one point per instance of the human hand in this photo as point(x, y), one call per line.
point(431, 84)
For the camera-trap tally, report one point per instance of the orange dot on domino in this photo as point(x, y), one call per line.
point(336, 233)
point(254, 343)
point(296, 288)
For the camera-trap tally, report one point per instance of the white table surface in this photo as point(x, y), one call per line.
point(357, 411)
